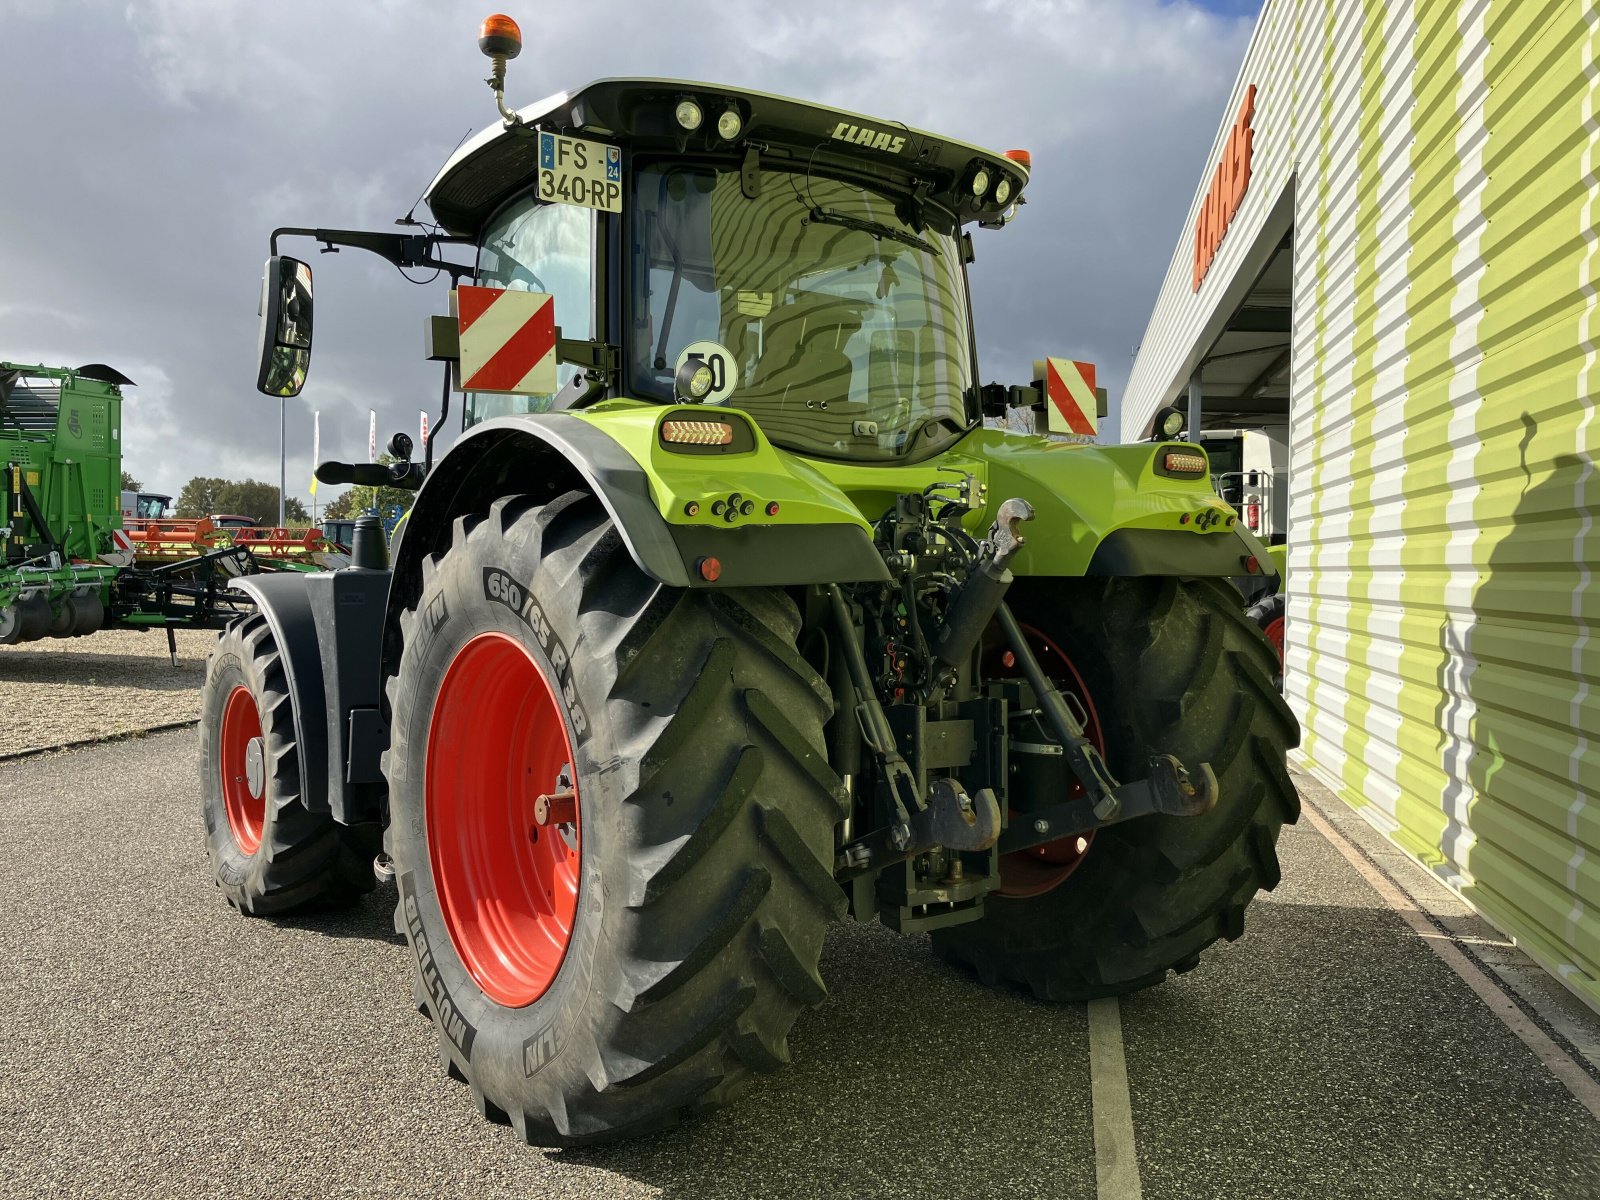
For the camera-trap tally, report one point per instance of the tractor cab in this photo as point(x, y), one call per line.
point(812, 260)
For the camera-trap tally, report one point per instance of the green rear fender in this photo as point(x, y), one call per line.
point(670, 507)
point(768, 517)
point(1108, 510)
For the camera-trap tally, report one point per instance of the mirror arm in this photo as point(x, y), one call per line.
point(402, 249)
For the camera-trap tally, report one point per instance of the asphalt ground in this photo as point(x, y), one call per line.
point(155, 1043)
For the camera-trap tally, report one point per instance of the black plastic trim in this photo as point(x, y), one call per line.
point(778, 555)
point(285, 601)
point(1167, 552)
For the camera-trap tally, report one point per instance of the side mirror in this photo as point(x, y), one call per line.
point(284, 346)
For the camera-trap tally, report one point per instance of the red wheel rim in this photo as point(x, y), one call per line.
point(1038, 869)
point(245, 805)
point(507, 885)
point(1274, 631)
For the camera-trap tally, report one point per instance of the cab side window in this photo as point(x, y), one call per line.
point(532, 247)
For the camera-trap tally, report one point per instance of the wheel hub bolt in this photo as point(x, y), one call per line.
point(1041, 826)
point(556, 808)
point(255, 767)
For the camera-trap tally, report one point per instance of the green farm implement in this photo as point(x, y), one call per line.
point(68, 568)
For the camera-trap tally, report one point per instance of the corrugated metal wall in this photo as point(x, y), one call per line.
point(1444, 495)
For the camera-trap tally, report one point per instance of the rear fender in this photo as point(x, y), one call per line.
point(329, 628)
point(283, 600)
point(608, 453)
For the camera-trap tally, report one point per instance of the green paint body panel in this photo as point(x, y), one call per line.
point(72, 462)
point(1080, 493)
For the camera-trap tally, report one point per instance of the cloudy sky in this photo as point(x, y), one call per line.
point(150, 146)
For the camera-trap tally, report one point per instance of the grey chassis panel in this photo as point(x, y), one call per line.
point(285, 602)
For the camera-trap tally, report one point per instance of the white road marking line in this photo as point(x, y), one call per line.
point(1116, 1165)
point(1578, 1081)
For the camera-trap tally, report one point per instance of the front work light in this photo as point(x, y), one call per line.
point(689, 115)
point(1169, 423)
point(730, 124)
point(694, 379)
point(980, 182)
point(1002, 190)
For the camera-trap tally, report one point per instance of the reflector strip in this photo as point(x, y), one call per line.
point(508, 341)
point(697, 433)
point(1069, 388)
point(1185, 464)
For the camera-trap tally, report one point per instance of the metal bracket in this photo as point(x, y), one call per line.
point(441, 342)
point(1170, 789)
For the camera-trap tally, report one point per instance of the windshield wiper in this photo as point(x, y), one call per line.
point(831, 216)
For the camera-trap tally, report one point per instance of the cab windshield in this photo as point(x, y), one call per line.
point(838, 326)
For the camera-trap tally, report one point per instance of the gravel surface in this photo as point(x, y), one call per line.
point(155, 1043)
point(119, 681)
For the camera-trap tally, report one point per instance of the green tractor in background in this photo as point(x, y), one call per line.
point(726, 618)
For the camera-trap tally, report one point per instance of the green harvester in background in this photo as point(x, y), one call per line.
point(61, 446)
point(67, 570)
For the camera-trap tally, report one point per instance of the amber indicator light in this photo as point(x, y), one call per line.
point(1184, 464)
point(697, 433)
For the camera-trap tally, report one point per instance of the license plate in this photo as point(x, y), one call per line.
point(574, 171)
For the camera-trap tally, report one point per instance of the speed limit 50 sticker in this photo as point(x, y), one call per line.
point(573, 171)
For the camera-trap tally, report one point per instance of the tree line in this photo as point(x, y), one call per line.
point(204, 495)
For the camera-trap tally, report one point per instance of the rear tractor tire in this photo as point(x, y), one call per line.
point(268, 853)
point(612, 821)
point(1170, 666)
point(1268, 614)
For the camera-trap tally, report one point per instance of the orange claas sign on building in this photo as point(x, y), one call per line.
point(1227, 189)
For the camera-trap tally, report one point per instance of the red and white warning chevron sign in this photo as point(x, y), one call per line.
point(1069, 388)
point(508, 340)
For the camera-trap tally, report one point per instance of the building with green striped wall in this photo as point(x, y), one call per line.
point(1398, 269)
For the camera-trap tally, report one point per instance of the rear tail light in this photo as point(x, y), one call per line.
point(1179, 463)
point(697, 433)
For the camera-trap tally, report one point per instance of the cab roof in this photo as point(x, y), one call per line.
point(638, 115)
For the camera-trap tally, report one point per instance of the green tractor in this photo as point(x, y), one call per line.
point(726, 618)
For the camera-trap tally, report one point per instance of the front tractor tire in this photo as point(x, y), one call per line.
point(269, 854)
point(1170, 666)
point(612, 822)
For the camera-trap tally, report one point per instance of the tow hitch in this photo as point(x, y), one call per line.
point(1171, 788)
